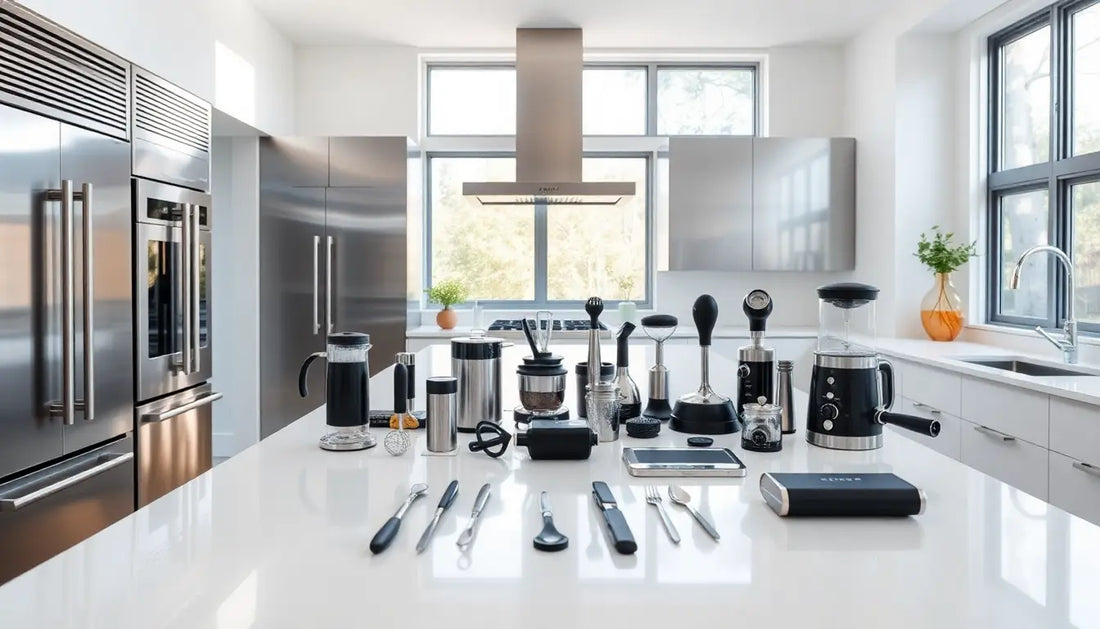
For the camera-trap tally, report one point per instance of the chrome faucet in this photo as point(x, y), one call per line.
point(1068, 342)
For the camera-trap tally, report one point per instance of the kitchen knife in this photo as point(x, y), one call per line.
point(467, 536)
point(617, 528)
point(446, 501)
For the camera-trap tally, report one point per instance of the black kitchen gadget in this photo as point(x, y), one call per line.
point(643, 427)
point(756, 363)
point(490, 438)
point(844, 495)
point(682, 462)
point(618, 530)
point(700, 442)
point(607, 373)
point(659, 327)
point(347, 391)
point(704, 411)
point(630, 401)
point(569, 439)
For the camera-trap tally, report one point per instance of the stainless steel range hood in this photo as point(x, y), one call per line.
point(549, 67)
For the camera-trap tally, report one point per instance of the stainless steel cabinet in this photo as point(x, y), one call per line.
point(761, 204)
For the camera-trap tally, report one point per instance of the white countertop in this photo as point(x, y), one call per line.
point(277, 537)
point(684, 330)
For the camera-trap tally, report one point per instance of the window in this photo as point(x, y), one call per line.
point(1044, 181)
point(538, 255)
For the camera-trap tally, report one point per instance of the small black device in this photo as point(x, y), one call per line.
point(700, 442)
point(848, 495)
point(756, 363)
point(682, 462)
point(568, 439)
point(490, 438)
point(704, 412)
point(617, 529)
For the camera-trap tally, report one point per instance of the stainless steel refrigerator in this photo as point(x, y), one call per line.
point(66, 333)
point(333, 257)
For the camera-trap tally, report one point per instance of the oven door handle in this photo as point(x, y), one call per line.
point(196, 291)
point(185, 287)
point(151, 418)
point(109, 461)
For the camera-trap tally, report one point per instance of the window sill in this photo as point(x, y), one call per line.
point(1083, 338)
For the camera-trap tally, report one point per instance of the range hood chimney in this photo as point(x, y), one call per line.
point(549, 70)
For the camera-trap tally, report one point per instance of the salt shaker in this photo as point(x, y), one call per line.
point(784, 397)
point(602, 404)
point(442, 414)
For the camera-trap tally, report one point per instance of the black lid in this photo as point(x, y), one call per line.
point(606, 369)
point(549, 366)
point(348, 339)
point(442, 385)
point(847, 294)
point(476, 347)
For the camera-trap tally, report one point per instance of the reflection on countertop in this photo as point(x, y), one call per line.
point(277, 537)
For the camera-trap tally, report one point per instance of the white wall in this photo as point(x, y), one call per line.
point(236, 294)
point(224, 51)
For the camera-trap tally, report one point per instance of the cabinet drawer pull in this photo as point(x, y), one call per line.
point(989, 432)
point(930, 409)
point(105, 462)
point(1086, 468)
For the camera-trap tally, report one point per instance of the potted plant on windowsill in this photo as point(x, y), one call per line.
point(941, 310)
point(447, 293)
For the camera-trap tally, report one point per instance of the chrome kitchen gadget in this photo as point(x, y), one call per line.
point(397, 440)
point(385, 535)
point(761, 427)
point(542, 380)
point(468, 534)
point(784, 396)
point(852, 388)
point(630, 401)
point(622, 539)
point(603, 403)
point(549, 538)
point(1068, 342)
point(347, 391)
point(653, 497)
point(659, 327)
point(675, 461)
point(594, 307)
point(682, 498)
point(445, 503)
point(704, 411)
point(442, 415)
point(409, 360)
point(607, 374)
point(756, 363)
point(475, 362)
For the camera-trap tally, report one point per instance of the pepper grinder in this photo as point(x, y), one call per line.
point(630, 401)
point(409, 360)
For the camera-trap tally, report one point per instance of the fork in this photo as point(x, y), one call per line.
point(653, 497)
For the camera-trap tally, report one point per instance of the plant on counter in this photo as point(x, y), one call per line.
point(627, 309)
point(941, 310)
point(447, 293)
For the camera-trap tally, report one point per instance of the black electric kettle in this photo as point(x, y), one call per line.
point(347, 390)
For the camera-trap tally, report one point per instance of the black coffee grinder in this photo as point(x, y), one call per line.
point(756, 363)
point(852, 389)
point(347, 391)
point(704, 411)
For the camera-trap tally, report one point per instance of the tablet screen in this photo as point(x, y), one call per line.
point(685, 456)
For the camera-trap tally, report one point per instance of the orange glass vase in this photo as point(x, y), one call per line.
point(941, 310)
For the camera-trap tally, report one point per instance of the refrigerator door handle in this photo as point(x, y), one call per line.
point(316, 284)
point(89, 299)
point(328, 285)
point(185, 283)
point(107, 462)
point(196, 291)
point(66, 409)
point(180, 410)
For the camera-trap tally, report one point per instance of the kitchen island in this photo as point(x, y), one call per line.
point(277, 537)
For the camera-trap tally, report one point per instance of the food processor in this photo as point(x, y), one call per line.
point(852, 388)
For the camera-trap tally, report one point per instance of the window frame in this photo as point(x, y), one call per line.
point(541, 235)
point(1057, 175)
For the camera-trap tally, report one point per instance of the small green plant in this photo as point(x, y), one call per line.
point(626, 286)
point(448, 293)
point(940, 254)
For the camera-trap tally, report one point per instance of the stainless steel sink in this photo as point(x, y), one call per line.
point(1027, 368)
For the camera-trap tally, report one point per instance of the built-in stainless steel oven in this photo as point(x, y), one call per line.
point(171, 288)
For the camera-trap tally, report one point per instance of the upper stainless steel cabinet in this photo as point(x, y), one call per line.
point(803, 216)
point(762, 204)
point(710, 204)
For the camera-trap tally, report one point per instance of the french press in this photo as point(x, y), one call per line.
point(347, 391)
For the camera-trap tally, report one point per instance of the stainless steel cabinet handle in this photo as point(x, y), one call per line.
point(89, 306)
point(316, 282)
point(196, 291)
point(112, 461)
point(180, 410)
point(994, 433)
point(930, 409)
point(1086, 468)
point(67, 408)
point(185, 284)
point(328, 286)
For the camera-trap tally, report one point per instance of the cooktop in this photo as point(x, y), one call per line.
point(516, 325)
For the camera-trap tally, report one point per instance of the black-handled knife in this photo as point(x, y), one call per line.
point(448, 498)
point(617, 528)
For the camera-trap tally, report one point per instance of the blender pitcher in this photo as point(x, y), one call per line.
point(347, 391)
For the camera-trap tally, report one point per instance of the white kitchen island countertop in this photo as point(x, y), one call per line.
point(277, 537)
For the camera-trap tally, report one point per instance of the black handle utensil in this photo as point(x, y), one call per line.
point(549, 539)
point(621, 536)
point(535, 353)
point(385, 535)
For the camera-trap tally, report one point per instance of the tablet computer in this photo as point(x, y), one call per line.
point(682, 462)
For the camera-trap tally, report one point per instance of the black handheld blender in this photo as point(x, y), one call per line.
point(659, 327)
point(704, 411)
point(756, 363)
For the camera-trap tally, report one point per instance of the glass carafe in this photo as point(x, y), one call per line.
point(846, 319)
point(347, 391)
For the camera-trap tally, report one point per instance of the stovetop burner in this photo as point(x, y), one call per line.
point(516, 325)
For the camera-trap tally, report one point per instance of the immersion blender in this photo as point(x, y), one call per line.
point(629, 398)
point(756, 363)
point(659, 327)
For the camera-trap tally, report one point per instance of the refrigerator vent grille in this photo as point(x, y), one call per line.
point(169, 112)
point(45, 71)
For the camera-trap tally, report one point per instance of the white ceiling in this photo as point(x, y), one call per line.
point(606, 23)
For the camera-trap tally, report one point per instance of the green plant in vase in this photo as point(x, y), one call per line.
point(447, 293)
point(941, 310)
point(628, 310)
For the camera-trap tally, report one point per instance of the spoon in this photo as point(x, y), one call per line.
point(549, 539)
point(682, 498)
point(385, 535)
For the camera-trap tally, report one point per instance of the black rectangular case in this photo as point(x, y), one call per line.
point(849, 495)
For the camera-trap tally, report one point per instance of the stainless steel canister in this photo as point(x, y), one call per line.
point(603, 402)
point(475, 362)
point(442, 414)
point(784, 397)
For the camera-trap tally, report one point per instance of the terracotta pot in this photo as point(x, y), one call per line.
point(446, 319)
point(941, 310)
